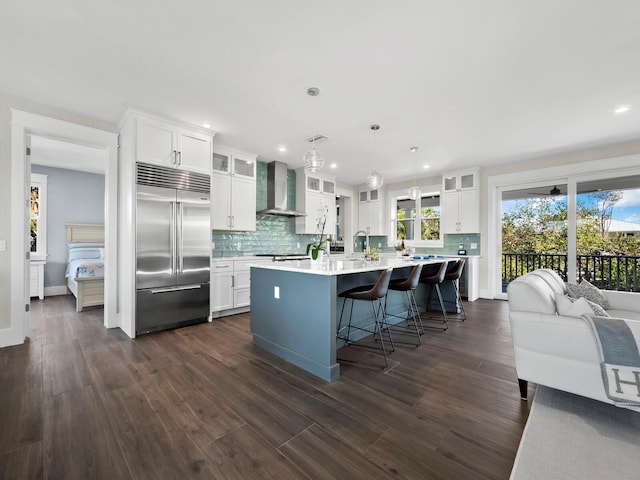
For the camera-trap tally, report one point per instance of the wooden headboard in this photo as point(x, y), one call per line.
point(85, 233)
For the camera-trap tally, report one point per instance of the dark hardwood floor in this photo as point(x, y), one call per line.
point(78, 401)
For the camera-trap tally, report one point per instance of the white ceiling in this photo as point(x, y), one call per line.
point(470, 82)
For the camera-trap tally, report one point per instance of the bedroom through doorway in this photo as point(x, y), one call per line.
point(67, 190)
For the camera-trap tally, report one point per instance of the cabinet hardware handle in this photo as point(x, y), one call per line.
point(175, 157)
point(175, 289)
point(233, 281)
point(179, 158)
point(222, 266)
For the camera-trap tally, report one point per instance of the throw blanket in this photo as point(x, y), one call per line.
point(85, 268)
point(618, 343)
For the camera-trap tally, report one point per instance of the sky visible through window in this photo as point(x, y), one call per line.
point(627, 209)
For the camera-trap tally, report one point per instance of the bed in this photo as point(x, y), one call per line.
point(85, 268)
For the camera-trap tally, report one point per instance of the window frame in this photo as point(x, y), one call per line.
point(394, 196)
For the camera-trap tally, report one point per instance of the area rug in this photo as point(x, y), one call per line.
point(571, 437)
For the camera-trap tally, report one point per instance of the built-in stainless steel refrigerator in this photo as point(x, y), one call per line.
point(173, 248)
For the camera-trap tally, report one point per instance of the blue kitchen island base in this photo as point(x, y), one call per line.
point(295, 308)
point(300, 325)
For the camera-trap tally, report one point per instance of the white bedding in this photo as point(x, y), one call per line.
point(85, 268)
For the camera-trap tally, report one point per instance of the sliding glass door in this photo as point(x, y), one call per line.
point(608, 232)
point(533, 230)
point(584, 228)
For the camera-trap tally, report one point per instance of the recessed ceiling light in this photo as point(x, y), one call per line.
point(333, 165)
point(622, 109)
point(206, 125)
point(425, 166)
point(282, 148)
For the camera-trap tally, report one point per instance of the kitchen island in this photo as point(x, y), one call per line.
point(295, 306)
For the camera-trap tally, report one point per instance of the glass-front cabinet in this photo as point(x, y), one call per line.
point(459, 202)
point(38, 233)
point(233, 186)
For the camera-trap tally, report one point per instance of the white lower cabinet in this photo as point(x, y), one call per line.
point(231, 285)
point(221, 286)
point(242, 283)
point(36, 279)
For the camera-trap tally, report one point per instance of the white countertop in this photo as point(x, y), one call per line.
point(344, 266)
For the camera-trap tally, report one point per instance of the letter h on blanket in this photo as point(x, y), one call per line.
point(617, 340)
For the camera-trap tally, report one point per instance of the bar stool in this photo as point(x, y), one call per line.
point(408, 285)
point(454, 272)
point(374, 295)
point(434, 278)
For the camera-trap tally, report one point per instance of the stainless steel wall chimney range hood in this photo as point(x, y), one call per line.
point(277, 192)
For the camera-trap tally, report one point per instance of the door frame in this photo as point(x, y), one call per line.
point(23, 125)
point(497, 283)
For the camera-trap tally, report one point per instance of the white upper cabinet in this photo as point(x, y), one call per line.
point(315, 196)
point(461, 180)
point(459, 202)
point(371, 211)
point(233, 190)
point(194, 151)
point(163, 143)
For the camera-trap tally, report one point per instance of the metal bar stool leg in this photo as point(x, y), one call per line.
point(444, 310)
point(463, 315)
point(413, 312)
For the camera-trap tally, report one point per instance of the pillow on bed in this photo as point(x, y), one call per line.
point(85, 252)
point(85, 245)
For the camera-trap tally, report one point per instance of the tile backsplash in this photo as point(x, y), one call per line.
point(451, 242)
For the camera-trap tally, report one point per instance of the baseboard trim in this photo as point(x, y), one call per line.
point(225, 313)
point(9, 337)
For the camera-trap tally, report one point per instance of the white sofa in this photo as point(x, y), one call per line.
point(556, 350)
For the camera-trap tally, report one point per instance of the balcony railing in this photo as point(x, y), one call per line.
point(608, 272)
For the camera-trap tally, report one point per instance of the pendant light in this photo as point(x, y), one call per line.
point(414, 192)
point(313, 159)
point(374, 180)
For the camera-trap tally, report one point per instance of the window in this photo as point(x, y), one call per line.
point(418, 225)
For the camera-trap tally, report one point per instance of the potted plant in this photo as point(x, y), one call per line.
point(316, 246)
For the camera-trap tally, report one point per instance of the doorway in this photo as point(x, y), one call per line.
point(24, 126)
point(75, 194)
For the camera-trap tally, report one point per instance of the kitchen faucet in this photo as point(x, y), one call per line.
point(366, 241)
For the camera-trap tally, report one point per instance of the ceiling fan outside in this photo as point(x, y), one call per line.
point(555, 191)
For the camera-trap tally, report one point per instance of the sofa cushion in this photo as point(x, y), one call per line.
point(588, 291)
point(552, 278)
point(576, 307)
point(530, 293)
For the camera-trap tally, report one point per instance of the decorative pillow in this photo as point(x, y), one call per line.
point(588, 291)
point(597, 309)
point(86, 253)
point(576, 307)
